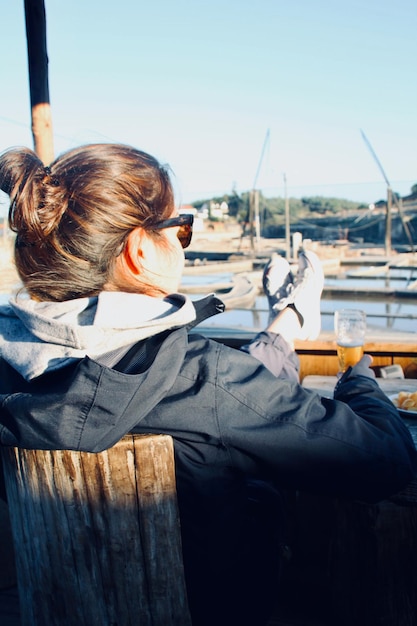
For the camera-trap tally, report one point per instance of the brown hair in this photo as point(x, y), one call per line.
point(73, 217)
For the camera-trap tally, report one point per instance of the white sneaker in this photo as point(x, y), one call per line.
point(305, 294)
point(277, 282)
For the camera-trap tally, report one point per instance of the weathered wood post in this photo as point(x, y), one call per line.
point(38, 80)
point(97, 536)
point(388, 223)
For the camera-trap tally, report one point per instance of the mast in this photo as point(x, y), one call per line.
point(388, 217)
point(252, 216)
point(391, 196)
point(38, 80)
point(254, 199)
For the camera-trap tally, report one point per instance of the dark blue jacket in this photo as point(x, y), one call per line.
point(233, 423)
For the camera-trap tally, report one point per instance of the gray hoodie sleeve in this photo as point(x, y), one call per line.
point(275, 353)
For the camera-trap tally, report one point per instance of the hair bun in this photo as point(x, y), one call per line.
point(6, 182)
point(53, 180)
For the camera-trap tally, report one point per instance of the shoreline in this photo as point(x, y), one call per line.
point(226, 239)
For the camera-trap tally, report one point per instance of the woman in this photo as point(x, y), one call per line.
point(100, 345)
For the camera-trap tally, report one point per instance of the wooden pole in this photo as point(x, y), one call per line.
point(106, 524)
point(38, 80)
point(257, 221)
point(251, 218)
point(399, 204)
point(388, 221)
point(287, 221)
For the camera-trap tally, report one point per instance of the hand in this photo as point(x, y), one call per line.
point(363, 367)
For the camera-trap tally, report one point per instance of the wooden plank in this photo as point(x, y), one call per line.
point(327, 365)
point(377, 344)
point(97, 536)
point(325, 384)
point(319, 357)
point(159, 518)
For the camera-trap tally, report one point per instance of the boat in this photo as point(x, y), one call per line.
point(242, 293)
point(218, 267)
point(238, 293)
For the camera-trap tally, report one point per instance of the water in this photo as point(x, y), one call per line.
point(399, 315)
point(380, 315)
point(392, 315)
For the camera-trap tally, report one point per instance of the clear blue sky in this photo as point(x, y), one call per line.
point(200, 83)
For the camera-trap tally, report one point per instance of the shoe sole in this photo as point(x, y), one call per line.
point(317, 269)
point(272, 300)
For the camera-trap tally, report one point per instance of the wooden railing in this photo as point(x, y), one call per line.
point(319, 357)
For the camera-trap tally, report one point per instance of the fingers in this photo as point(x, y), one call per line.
point(366, 360)
point(363, 367)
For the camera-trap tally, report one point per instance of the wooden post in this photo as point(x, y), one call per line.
point(287, 222)
point(251, 218)
point(38, 80)
point(388, 222)
point(256, 218)
point(97, 536)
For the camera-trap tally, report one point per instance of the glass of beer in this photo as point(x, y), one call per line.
point(350, 327)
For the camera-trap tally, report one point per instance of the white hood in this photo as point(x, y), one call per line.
point(36, 337)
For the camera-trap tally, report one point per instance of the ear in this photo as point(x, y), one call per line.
point(132, 252)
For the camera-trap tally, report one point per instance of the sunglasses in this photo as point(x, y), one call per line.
point(185, 227)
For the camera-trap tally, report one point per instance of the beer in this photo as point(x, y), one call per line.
point(350, 327)
point(349, 355)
